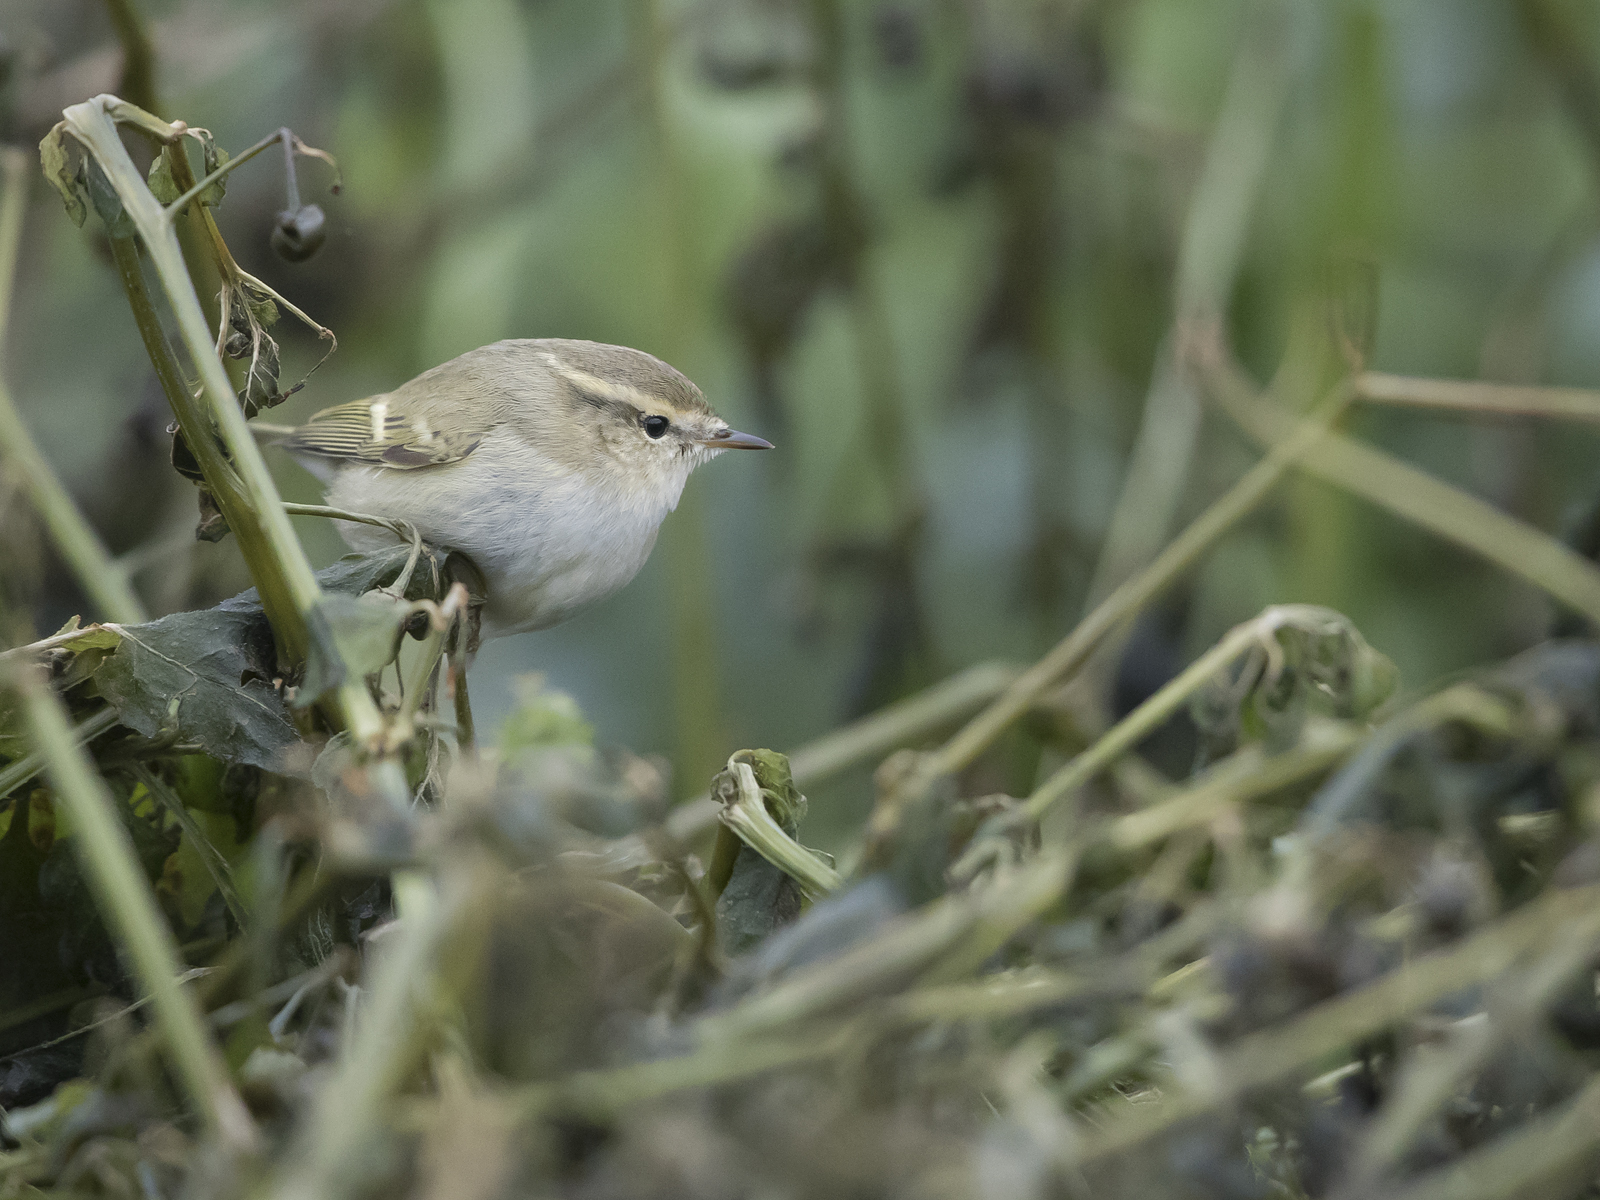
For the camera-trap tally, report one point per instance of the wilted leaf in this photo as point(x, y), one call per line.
point(202, 677)
point(215, 157)
point(160, 181)
point(357, 573)
point(63, 176)
point(1318, 664)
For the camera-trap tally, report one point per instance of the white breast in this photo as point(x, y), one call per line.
point(548, 540)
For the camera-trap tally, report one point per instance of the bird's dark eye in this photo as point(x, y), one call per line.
point(655, 426)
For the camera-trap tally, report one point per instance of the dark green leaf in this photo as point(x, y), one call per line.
point(107, 203)
point(203, 677)
point(160, 180)
point(366, 632)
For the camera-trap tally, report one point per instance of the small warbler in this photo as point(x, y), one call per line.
point(549, 463)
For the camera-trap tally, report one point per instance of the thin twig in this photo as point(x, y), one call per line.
point(1144, 719)
point(291, 145)
point(29, 765)
point(1478, 397)
point(404, 530)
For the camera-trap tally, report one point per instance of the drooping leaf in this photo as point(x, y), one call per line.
point(357, 573)
point(162, 186)
point(1319, 665)
point(61, 173)
point(366, 633)
point(214, 157)
point(202, 677)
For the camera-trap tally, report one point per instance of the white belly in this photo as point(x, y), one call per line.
point(548, 541)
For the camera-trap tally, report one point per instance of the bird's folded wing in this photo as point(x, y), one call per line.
point(381, 433)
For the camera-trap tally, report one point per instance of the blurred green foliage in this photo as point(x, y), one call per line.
point(975, 265)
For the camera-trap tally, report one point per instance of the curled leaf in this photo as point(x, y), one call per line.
point(162, 186)
point(214, 157)
point(62, 174)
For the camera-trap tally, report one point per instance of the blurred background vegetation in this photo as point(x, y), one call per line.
point(943, 252)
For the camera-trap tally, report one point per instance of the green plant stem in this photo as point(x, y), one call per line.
point(111, 867)
point(334, 1147)
point(80, 547)
point(1417, 497)
point(603, 1093)
point(1476, 396)
point(404, 530)
point(931, 945)
point(1133, 728)
point(174, 209)
point(17, 773)
point(899, 724)
point(748, 817)
point(283, 575)
point(103, 582)
point(232, 495)
point(756, 1036)
point(1130, 597)
point(1514, 1012)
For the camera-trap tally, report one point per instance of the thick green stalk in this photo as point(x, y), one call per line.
point(103, 582)
point(278, 563)
point(111, 867)
point(287, 587)
point(748, 817)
